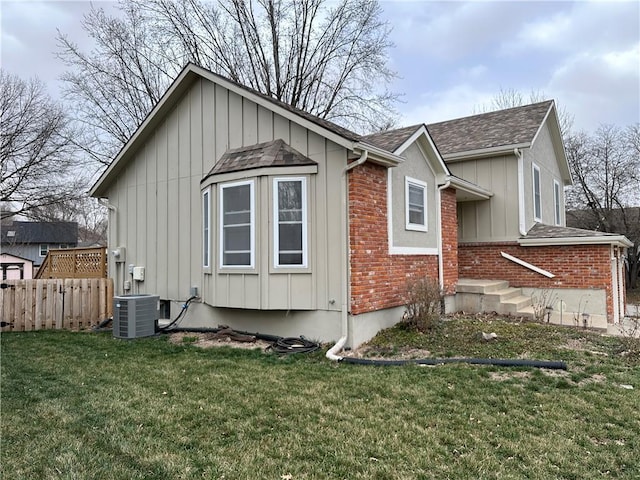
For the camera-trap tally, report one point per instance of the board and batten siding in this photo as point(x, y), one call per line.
point(542, 154)
point(495, 219)
point(159, 206)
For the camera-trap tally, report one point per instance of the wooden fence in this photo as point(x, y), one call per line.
point(88, 262)
point(72, 304)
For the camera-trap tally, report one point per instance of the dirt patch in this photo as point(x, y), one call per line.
point(377, 353)
point(504, 376)
point(210, 340)
point(581, 345)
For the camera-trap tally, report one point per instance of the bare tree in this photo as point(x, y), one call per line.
point(510, 98)
point(37, 151)
point(605, 195)
point(327, 58)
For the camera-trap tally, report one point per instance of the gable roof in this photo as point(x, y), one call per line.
point(39, 232)
point(510, 128)
point(189, 74)
point(391, 140)
point(268, 154)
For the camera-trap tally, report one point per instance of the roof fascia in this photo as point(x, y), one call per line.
point(617, 240)
point(466, 186)
point(556, 138)
point(269, 105)
point(377, 155)
point(423, 133)
point(175, 90)
point(484, 152)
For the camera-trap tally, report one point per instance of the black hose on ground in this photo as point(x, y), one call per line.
point(474, 361)
point(102, 325)
point(185, 306)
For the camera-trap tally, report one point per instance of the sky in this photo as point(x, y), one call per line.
point(451, 57)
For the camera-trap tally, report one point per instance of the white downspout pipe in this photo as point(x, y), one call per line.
point(111, 229)
point(346, 267)
point(441, 188)
point(521, 214)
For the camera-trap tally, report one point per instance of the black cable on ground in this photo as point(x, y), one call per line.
point(289, 345)
point(474, 361)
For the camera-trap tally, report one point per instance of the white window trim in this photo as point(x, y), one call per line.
point(206, 233)
point(557, 210)
point(40, 249)
point(417, 183)
point(536, 168)
point(276, 238)
point(252, 227)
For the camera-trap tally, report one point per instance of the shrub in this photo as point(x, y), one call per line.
point(423, 304)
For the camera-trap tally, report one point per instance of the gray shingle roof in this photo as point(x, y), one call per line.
point(40, 232)
point(540, 230)
point(269, 154)
point(391, 139)
point(503, 128)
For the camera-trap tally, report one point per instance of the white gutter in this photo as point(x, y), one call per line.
point(483, 152)
point(619, 240)
point(346, 266)
point(439, 211)
point(521, 214)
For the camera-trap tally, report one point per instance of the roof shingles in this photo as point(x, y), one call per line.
point(503, 128)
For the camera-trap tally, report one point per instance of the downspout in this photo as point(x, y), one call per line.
point(441, 188)
point(346, 266)
point(521, 220)
point(112, 208)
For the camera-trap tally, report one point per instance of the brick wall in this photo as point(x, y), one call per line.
point(574, 266)
point(378, 280)
point(449, 217)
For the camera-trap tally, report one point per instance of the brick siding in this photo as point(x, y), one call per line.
point(378, 279)
point(574, 266)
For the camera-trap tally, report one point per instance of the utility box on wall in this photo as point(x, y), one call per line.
point(135, 316)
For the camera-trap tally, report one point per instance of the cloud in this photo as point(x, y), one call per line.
point(586, 25)
point(435, 106)
point(600, 87)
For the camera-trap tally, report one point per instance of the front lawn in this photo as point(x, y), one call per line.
point(85, 406)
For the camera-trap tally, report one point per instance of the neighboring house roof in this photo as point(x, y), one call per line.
point(39, 232)
point(6, 257)
point(504, 128)
point(541, 234)
point(269, 154)
point(190, 73)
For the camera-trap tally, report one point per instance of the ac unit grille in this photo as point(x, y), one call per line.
point(135, 316)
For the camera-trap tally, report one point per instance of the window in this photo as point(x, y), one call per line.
point(237, 225)
point(537, 199)
point(556, 201)
point(44, 249)
point(290, 222)
point(415, 204)
point(206, 222)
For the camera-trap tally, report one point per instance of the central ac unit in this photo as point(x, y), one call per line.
point(135, 316)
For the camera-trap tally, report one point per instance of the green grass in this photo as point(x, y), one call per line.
point(87, 406)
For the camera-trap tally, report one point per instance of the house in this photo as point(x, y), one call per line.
point(33, 240)
point(286, 223)
point(13, 267)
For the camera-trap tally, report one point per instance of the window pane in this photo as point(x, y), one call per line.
point(236, 225)
point(290, 259)
point(416, 205)
point(290, 236)
point(290, 228)
point(290, 195)
point(205, 229)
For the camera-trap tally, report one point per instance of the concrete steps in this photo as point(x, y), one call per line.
point(475, 296)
